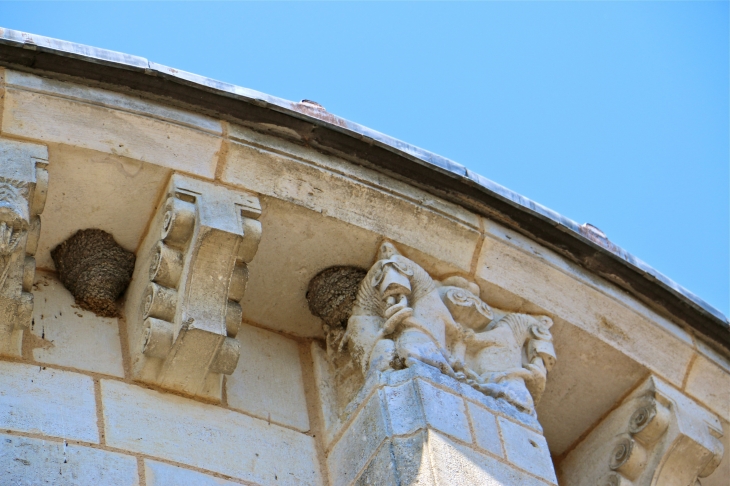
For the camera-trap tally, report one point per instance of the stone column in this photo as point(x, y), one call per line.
point(657, 437)
point(423, 383)
point(23, 188)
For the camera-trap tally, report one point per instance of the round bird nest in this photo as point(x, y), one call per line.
point(332, 293)
point(95, 269)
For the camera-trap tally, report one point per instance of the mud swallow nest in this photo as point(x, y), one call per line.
point(95, 269)
point(332, 293)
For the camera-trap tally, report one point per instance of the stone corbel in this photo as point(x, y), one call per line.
point(657, 436)
point(23, 189)
point(183, 309)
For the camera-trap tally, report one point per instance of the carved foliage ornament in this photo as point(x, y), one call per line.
point(188, 285)
point(401, 315)
point(23, 189)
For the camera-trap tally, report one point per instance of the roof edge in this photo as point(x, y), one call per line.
point(337, 135)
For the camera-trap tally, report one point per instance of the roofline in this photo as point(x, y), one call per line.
point(335, 135)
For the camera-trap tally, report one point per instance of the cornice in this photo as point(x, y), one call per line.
point(311, 125)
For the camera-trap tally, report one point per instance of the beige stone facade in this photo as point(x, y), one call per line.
point(470, 339)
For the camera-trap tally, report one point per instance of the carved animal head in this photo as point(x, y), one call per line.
point(393, 275)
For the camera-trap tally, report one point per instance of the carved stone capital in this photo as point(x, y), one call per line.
point(657, 436)
point(401, 316)
point(183, 309)
point(23, 189)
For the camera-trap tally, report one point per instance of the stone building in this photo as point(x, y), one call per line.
point(230, 288)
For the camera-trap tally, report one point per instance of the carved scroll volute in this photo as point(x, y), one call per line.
point(23, 188)
point(183, 308)
point(657, 437)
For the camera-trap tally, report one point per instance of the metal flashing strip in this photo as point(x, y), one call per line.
point(324, 130)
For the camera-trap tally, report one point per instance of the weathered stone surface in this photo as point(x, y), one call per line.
point(585, 302)
point(354, 202)
point(161, 474)
point(405, 412)
point(55, 111)
point(70, 336)
point(206, 437)
point(381, 470)
point(656, 436)
point(25, 461)
point(486, 431)
point(584, 385)
point(268, 381)
point(298, 243)
point(710, 384)
point(183, 308)
point(23, 189)
point(527, 450)
point(95, 269)
point(456, 465)
point(49, 402)
point(349, 455)
point(444, 412)
point(91, 189)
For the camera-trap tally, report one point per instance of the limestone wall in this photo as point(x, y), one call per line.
point(70, 405)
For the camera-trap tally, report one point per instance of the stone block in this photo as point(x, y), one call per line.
point(486, 431)
point(91, 189)
point(456, 465)
point(206, 437)
point(362, 437)
point(48, 402)
point(381, 470)
point(351, 200)
point(55, 111)
point(527, 450)
point(413, 461)
point(583, 386)
point(70, 336)
point(595, 306)
point(161, 474)
point(292, 243)
point(444, 411)
point(710, 384)
point(404, 408)
point(268, 380)
point(25, 461)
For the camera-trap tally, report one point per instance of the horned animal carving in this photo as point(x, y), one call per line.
point(401, 316)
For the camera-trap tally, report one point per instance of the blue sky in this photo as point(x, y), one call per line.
point(612, 113)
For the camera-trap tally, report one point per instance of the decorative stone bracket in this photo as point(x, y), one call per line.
point(657, 436)
point(183, 309)
point(23, 189)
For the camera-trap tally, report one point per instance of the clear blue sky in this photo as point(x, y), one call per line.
point(613, 113)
